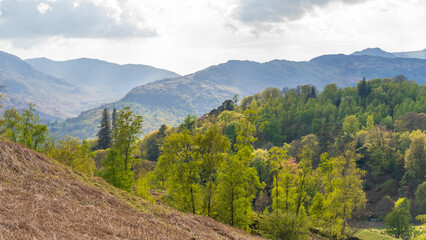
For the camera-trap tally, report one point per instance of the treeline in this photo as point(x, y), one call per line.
point(282, 163)
point(317, 158)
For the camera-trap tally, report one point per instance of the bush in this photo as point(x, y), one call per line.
point(286, 225)
point(398, 221)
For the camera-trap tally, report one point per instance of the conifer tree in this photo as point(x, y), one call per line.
point(104, 134)
point(114, 119)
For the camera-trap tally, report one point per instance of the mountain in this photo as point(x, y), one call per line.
point(55, 98)
point(110, 77)
point(377, 52)
point(168, 101)
point(414, 54)
point(43, 199)
point(63, 89)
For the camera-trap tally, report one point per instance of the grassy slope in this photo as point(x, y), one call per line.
point(42, 199)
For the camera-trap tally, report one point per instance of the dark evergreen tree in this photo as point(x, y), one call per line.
point(114, 119)
point(364, 88)
point(104, 134)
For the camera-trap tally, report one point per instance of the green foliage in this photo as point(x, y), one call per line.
point(150, 146)
point(126, 134)
point(398, 221)
point(342, 190)
point(381, 154)
point(142, 186)
point(104, 134)
point(212, 151)
point(119, 160)
point(24, 127)
point(286, 225)
point(350, 125)
point(421, 198)
point(72, 152)
point(415, 157)
point(114, 171)
point(236, 188)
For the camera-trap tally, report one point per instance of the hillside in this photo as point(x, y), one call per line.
point(111, 77)
point(42, 199)
point(64, 89)
point(168, 101)
point(421, 54)
point(55, 98)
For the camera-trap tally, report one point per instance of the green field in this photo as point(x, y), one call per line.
point(373, 234)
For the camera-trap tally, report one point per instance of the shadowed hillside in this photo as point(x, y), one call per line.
point(42, 199)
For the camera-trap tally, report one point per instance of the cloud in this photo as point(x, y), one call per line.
point(257, 12)
point(43, 8)
point(71, 19)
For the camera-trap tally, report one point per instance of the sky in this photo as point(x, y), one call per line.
point(189, 35)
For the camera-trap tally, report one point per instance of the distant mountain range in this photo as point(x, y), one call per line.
point(377, 52)
point(63, 89)
point(112, 78)
point(169, 100)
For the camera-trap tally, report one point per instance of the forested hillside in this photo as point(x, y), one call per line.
point(335, 157)
point(169, 100)
point(284, 164)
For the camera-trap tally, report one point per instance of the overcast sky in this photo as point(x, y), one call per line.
point(188, 35)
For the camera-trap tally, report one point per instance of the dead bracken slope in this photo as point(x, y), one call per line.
point(42, 199)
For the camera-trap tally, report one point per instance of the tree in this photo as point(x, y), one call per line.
point(415, 156)
point(24, 128)
point(342, 192)
point(364, 88)
point(114, 120)
point(236, 99)
point(126, 133)
point(212, 148)
point(29, 119)
point(398, 221)
point(237, 182)
point(350, 125)
point(12, 120)
point(114, 171)
point(181, 166)
point(71, 152)
point(286, 225)
point(104, 134)
point(421, 198)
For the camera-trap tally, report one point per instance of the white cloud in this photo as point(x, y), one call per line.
point(69, 18)
point(43, 8)
point(191, 34)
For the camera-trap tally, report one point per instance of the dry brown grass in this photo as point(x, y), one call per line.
point(42, 199)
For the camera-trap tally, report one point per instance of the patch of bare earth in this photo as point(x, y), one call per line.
point(42, 199)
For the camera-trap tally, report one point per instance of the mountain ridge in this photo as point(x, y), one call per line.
point(169, 100)
point(57, 95)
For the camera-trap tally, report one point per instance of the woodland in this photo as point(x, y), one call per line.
point(282, 164)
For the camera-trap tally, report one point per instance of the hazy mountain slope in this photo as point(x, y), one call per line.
point(346, 70)
point(377, 52)
point(414, 54)
point(110, 77)
point(42, 199)
point(54, 97)
point(167, 101)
